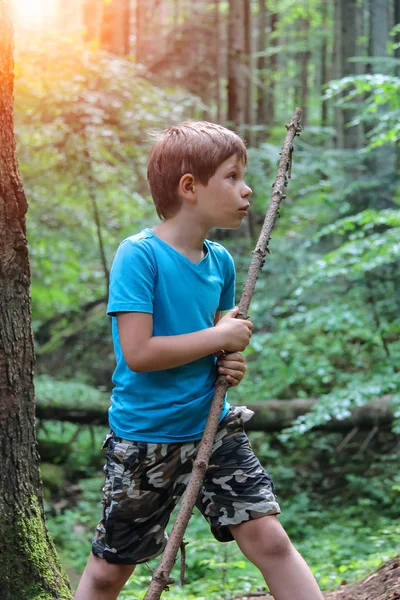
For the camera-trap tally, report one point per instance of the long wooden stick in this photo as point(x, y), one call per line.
point(161, 574)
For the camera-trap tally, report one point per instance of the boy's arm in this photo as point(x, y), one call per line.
point(144, 352)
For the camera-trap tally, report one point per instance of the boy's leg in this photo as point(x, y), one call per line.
point(142, 486)
point(238, 500)
point(265, 543)
point(102, 580)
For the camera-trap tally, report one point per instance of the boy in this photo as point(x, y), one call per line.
point(168, 287)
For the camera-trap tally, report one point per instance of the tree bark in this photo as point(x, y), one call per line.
point(236, 64)
point(350, 17)
point(248, 50)
point(272, 67)
point(324, 56)
point(115, 28)
point(29, 566)
point(381, 160)
point(304, 58)
point(93, 18)
point(337, 63)
point(262, 114)
point(218, 41)
point(269, 416)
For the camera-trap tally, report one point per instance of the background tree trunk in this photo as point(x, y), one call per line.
point(29, 567)
point(262, 115)
point(324, 56)
point(93, 18)
point(381, 160)
point(248, 49)
point(236, 63)
point(337, 62)
point(350, 28)
point(273, 42)
point(218, 43)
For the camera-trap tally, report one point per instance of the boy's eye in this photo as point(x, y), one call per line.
point(232, 176)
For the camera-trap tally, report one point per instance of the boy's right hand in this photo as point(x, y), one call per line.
point(235, 333)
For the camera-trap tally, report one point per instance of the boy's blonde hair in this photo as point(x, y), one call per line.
point(195, 147)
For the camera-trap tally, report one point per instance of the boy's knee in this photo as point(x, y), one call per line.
point(277, 545)
point(108, 575)
point(263, 538)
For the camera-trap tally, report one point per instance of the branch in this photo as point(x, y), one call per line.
point(161, 575)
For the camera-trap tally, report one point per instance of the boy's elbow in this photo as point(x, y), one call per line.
point(137, 365)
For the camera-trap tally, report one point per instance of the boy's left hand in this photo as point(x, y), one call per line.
point(233, 366)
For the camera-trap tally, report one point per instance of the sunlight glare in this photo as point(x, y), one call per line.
point(34, 13)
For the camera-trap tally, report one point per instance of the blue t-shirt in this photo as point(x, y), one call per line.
point(150, 276)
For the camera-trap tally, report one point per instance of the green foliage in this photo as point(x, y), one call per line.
point(364, 250)
point(82, 125)
point(374, 92)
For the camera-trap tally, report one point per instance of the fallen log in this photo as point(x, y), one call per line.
point(269, 416)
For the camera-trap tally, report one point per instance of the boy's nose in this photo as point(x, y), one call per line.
point(247, 191)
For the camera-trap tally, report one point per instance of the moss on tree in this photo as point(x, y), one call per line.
point(29, 566)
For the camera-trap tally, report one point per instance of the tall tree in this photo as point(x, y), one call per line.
point(236, 63)
point(262, 116)
point(350, 20)
point(93, 18)
point(324, 57)
point(303, 58)
point(396, 19)
point(29, 566)
point(218, 42)
point(272, 64)
point(337, 69)
point(382, 160)
point(248, 58)
point(115, 29)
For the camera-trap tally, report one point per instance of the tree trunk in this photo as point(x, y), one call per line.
point(29, 566)
point(93, 19)
point(324, 56)
point(303, 58)
point(272, 67)
point(262, 114)
point(381, 160)
point(248, 50)
point(269, 416)
point(141, 32)
point(218, 63)
point(236, 64)
point(350, 26)
point(396, 18)
point(115, 28)
point(337, 64)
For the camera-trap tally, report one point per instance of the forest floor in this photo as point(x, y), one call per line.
point(384, 584)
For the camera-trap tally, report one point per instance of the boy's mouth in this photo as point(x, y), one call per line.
point(244, 209)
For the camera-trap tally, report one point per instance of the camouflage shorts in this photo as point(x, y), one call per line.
point(144, 482)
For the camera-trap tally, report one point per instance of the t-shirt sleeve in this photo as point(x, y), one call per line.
point(227, 300)
point(132, 279)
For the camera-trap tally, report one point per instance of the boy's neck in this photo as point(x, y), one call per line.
point(187, 238)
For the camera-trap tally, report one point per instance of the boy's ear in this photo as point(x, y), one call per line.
point(187, 186)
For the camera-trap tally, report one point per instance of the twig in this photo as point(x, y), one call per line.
point(347, 439)
point(367, 440)
point(160, 577)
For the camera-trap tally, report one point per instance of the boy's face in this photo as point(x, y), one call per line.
point(224, 201)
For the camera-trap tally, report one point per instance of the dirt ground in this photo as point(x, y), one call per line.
point(384, 584)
